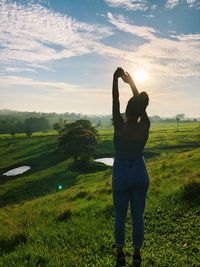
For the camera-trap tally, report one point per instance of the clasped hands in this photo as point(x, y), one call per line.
point(120, 73)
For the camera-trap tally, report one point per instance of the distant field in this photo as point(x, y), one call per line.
point(44, 226)
point(50, 132)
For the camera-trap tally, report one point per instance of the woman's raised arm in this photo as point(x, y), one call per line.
point(117, 118)
point(128, 79)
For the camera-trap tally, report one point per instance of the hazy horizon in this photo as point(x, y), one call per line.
point(93, 114)
point(57, 56)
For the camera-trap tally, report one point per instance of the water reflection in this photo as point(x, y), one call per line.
point(107, 161)
point(17, 171)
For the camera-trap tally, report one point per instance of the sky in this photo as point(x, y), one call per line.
point(60, 56)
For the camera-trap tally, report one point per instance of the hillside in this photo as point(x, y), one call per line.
point(42, 225)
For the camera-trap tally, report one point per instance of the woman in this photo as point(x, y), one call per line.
point(130, 179)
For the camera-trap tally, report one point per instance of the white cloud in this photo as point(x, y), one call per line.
point(189, 37)
point(153, 7)
point(172, 3)
point(33, 34)
point(11, 69)
point(141, 31)
point(191, 3)
point(63, 86)
point(19, 80)
point(140, 5)
point(178, 57)
point(149, 16)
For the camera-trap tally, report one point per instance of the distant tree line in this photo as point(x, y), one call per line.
point(180, 117)
point(19, 121)
point(30, 125)
point(100, 120)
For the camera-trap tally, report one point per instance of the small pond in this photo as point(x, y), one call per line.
point(17, 171)
point(107, 161)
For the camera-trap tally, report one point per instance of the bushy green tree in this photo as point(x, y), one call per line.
point(178, 118)
point(78, 140)
point(28, 132)
point(60, 125)
point(36, 124)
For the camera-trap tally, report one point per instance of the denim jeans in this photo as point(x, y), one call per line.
point(130, 182)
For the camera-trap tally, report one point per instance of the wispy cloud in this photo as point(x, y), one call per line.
point(178, 57)
point(121, 23)
point(11, 69)
point(15, 81)
point(193, 3)
point(140, 5)
point(20, 80)
point(34, 34)
point(172, 3)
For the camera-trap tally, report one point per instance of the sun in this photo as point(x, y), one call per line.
point(141, 75)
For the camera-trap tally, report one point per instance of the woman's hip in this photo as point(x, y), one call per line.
point(130, 171)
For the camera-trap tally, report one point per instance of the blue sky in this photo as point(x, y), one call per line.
point(59, 56)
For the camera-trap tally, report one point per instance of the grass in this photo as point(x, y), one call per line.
point(44, 226)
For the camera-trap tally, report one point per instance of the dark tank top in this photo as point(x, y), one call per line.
point(128, 149)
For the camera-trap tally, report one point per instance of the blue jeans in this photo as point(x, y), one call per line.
point(130, 182)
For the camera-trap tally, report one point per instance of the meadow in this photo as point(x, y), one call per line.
point(42, 225)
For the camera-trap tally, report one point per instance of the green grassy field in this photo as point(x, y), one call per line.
point(44, 226)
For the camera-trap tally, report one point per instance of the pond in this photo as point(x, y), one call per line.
point(17, 171)
point(107, 161)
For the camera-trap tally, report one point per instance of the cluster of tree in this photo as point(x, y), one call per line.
point(60, 125)
point(18, 121)
point(78, 140)
point(30, 125)
point(180, 117)
point(55, 117)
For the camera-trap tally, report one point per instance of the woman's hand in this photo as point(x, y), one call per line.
point(119, 73)
point(126, 77)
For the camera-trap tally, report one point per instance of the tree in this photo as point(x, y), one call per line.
point(28, 132)
point(156, 118)
point(60, 125)
point(36, 124)
point(98, 124)
point(78, 140)
point(178, 118)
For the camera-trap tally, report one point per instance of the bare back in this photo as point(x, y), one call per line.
point(135, 131)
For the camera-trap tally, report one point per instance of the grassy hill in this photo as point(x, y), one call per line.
point(42, 225)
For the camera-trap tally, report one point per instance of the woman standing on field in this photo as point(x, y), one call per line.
point(130, 179)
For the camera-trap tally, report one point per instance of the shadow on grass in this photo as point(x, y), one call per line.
point(34, 186)
point(39, 145)
point(65, 215)
point(39, 162)
point(39, 187)
point(191, 193)
point(40, 153)
point(150, 154)
point(10, 244)
point(108, 211)
point(79, 195)
point(192, 144)
point(87, 167)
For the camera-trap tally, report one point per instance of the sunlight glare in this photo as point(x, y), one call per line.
point(141, 75)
